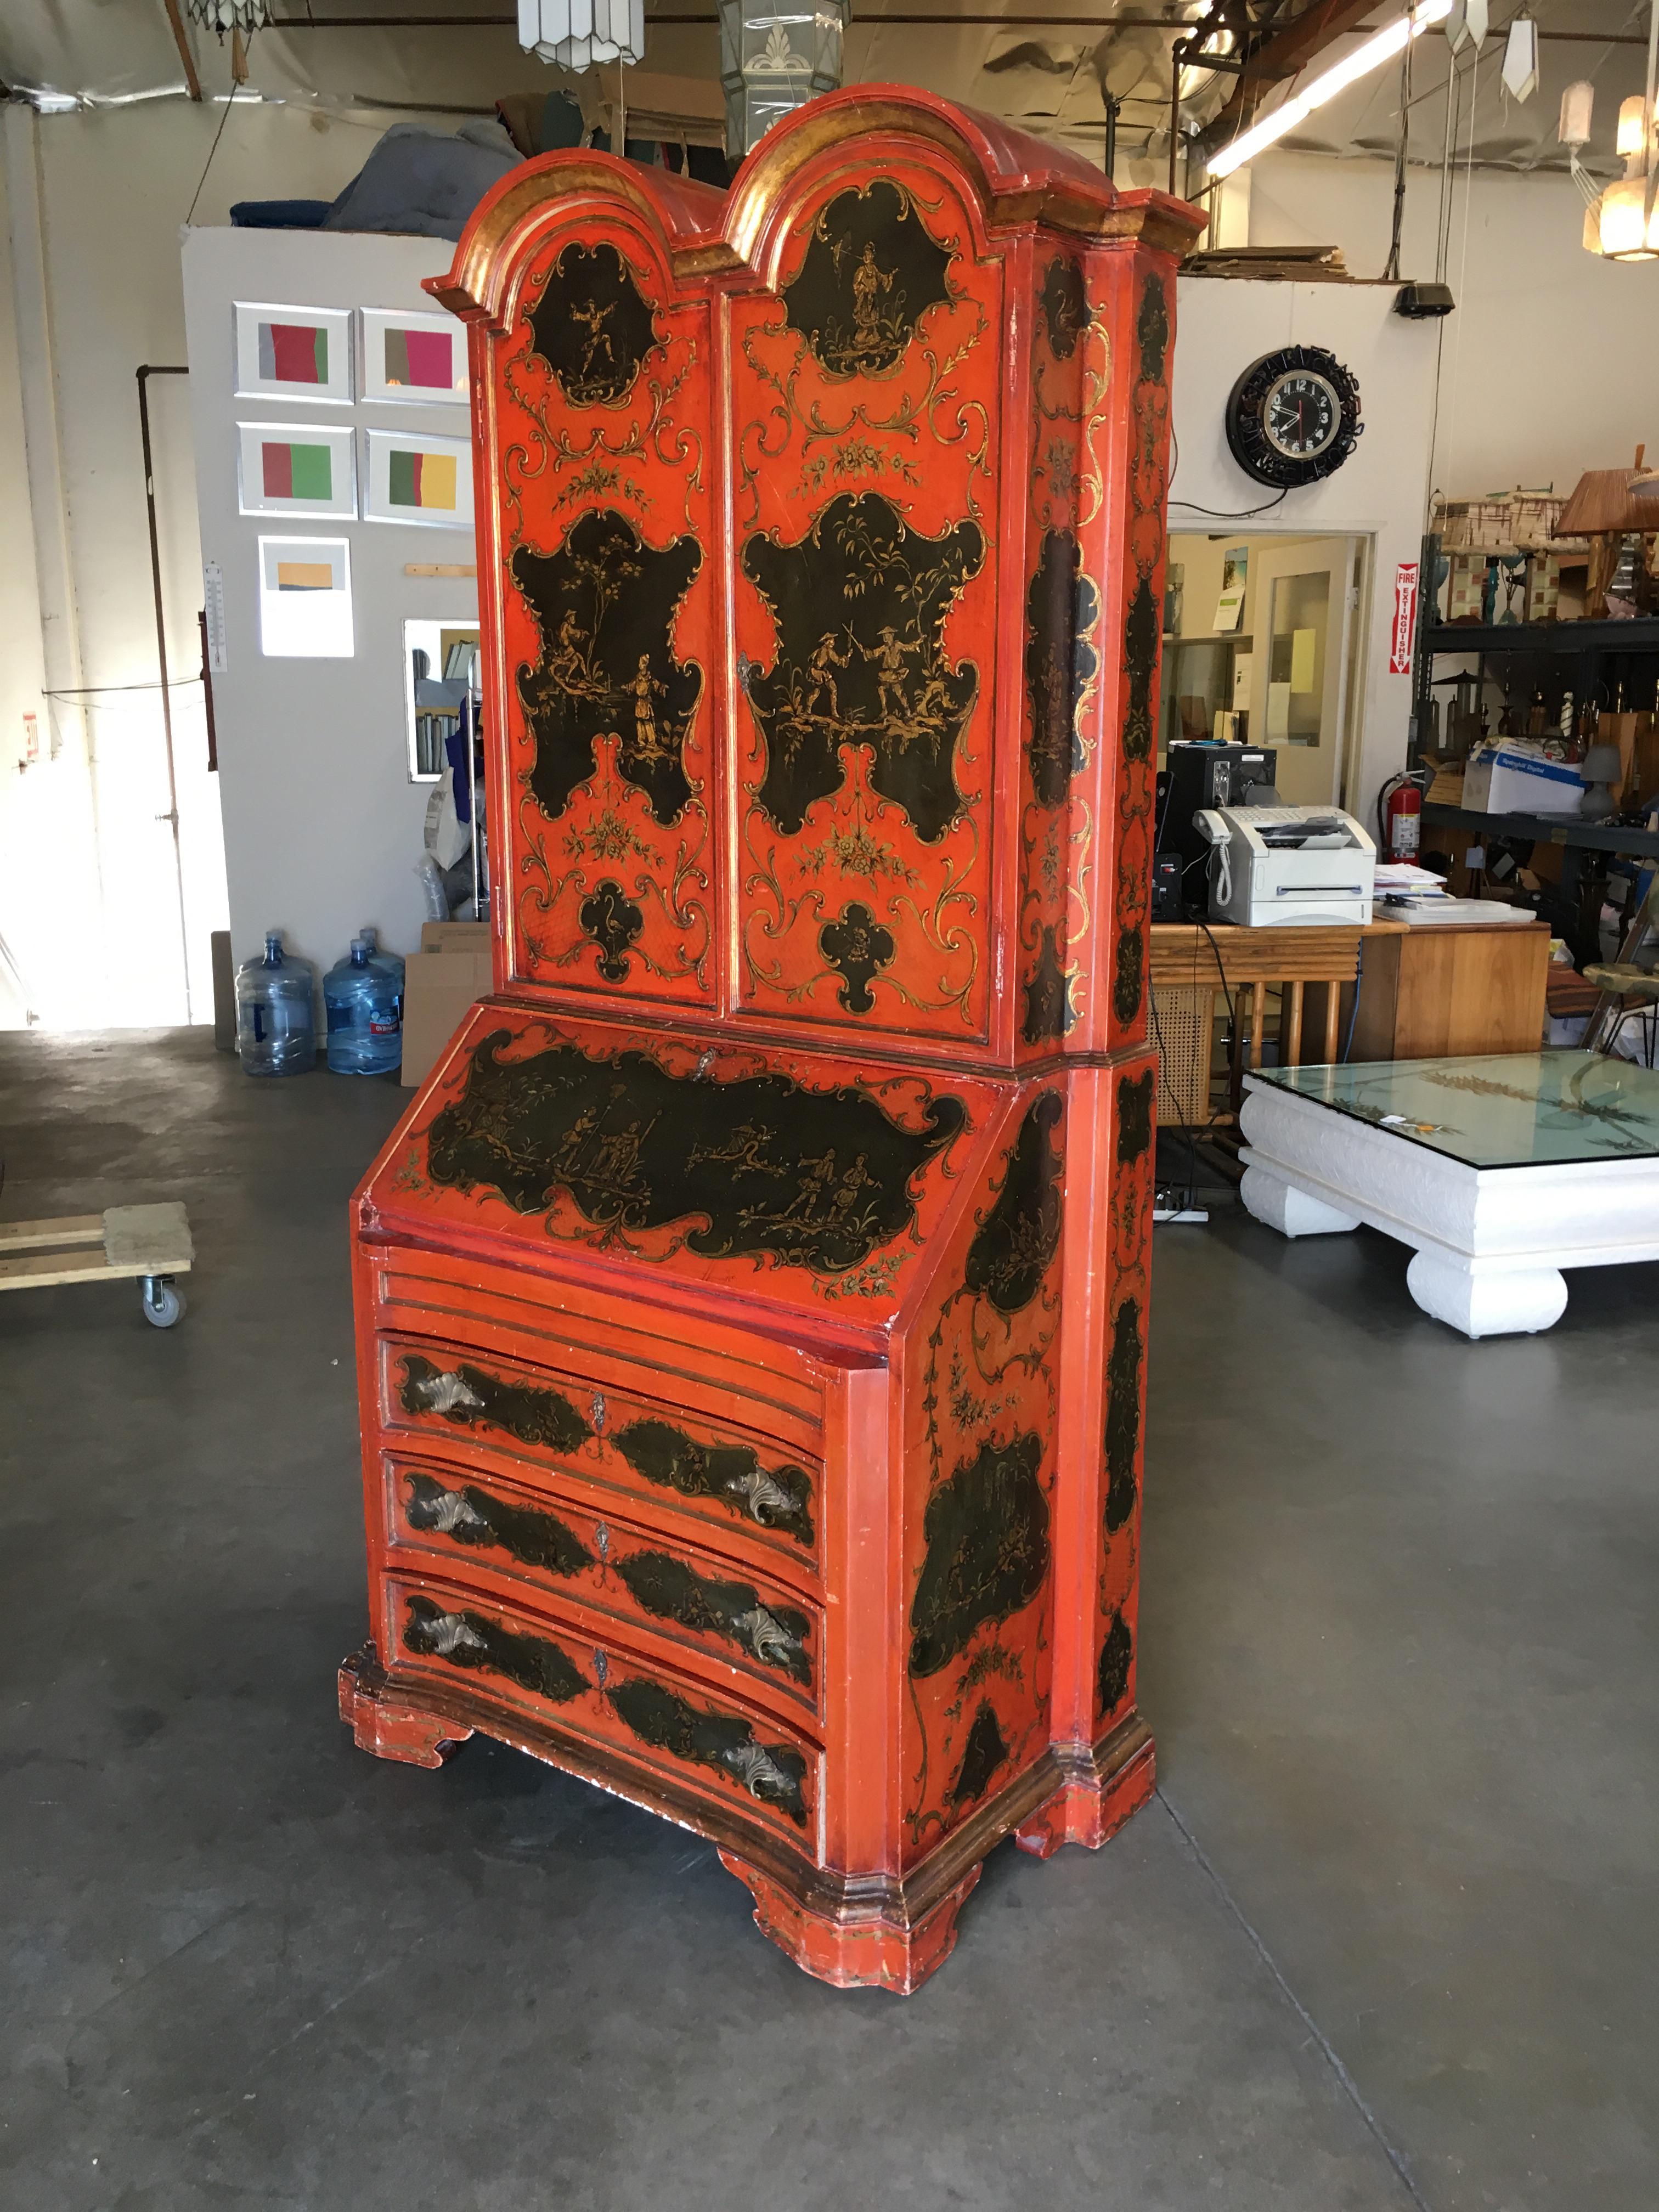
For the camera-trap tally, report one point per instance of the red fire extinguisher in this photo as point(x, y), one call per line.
point(1399, 815)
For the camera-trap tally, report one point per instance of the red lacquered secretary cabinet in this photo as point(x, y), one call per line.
point(752, 1304)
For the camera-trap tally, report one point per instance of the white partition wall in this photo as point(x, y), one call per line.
point(1222, 326)
point(323, 823)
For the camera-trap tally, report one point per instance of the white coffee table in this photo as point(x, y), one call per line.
point(1499, 1170)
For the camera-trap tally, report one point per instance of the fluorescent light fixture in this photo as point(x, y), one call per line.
point(1361, 61)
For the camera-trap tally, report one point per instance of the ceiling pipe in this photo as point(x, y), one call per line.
point(939, 19)
point(171, 818)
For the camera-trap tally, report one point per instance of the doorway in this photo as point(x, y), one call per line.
point(1259, 639)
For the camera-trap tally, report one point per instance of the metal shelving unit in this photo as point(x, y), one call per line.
point(1641, 635)
point(1591, 645)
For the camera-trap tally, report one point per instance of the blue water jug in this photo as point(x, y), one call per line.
point(275, 1026)
point(363, 998)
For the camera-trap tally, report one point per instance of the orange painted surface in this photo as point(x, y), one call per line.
point(752, 1304)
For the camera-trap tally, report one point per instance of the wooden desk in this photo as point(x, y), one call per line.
point(1430, 990)
point(1189, 963)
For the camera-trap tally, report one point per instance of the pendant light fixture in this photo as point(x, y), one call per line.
point(1467, 20)
point(222, 15)
point(1520, 71)
point(575, 34)
point(775, 56)
point(1621, 222)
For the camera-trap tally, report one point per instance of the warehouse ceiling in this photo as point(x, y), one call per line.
point(1053, 71)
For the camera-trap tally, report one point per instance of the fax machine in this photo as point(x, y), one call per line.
point(1287, 864)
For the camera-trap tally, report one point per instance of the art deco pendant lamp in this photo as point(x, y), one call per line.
point(752, 1304)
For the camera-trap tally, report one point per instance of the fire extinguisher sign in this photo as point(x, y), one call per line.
point(1405, 618)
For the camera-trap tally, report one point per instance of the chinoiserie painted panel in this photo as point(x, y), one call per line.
point(604, 468)
point(868, 390)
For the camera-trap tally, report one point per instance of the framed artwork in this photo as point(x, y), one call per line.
point(293, 352)
point(296, 468)
point(305, 599)
point(412, 357)
point(413, 478)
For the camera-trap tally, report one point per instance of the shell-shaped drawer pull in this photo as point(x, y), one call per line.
point(445, 1392)
point(451, 1515)
point(444, 1634)
point(760, 1773)
point(767, 1637)
point(764, 1500)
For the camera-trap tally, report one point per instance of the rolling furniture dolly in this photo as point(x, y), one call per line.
point(152, 1243)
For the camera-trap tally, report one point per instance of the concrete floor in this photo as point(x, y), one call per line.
point(1388, 1936)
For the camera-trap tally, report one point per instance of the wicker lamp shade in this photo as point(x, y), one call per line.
point(1610, 499)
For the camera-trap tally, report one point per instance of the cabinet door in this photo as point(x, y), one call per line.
point(598, 438)
point(867, 400)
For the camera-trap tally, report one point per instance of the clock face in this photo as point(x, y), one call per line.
point(1293, 416)
point(1301, 414)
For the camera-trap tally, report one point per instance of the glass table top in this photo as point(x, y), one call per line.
point(1507, 1109)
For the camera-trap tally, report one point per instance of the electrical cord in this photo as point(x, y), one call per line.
point(230, 102)
point(1164, 818)
point(1162, 1071)
point(1391, 272)
point(98, 690)
point(1226, 992)
point(1217, 513)
point(1227, 989)
point(1353, 1011)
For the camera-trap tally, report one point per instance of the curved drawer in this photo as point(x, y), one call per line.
point(716, 1472)
point(566, 1548)
point(559, 1679)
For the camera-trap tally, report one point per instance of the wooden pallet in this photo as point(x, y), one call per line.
point(116, 1245)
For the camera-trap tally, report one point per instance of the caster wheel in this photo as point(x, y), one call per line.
point(164, 1304)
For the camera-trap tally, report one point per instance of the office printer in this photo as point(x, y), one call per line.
point(1287, 864)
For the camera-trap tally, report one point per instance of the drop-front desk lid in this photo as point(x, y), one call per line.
point(808, 1182)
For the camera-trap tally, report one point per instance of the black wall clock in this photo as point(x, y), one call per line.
point(1293, 416)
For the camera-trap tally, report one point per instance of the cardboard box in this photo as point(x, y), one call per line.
point(455, 936)
point(1639, 753)
point(440, 990)
point(1502, 779)
point(1543, 587)
point(1466, 589)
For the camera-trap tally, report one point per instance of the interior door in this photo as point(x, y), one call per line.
point(1299, 617)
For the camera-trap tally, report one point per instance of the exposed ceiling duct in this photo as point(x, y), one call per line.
point(1054, 72)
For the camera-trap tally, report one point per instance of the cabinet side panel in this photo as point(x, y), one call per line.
point(1065, 789)
point(1144, 317)
point(980, 1416)
point(1109, 1674)
point(1108, 1221)
point(1087, 983)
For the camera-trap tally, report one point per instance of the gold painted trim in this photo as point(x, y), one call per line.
point(1064, 204)
point(476, 285)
